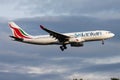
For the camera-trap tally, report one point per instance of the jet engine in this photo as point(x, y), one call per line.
point(76, 42)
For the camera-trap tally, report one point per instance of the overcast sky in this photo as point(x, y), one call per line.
point(106, 9)
point(94, 61)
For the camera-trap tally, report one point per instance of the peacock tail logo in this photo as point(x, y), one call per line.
point(19, 33)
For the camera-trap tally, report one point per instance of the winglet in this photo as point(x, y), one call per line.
point(42, 27)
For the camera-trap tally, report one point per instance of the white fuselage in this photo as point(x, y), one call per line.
point(80, 36)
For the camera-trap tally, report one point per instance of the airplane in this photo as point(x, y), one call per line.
point(75, 39)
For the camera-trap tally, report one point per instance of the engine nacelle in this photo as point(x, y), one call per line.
point(76, 42)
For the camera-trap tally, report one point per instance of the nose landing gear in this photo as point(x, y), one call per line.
point(102, 42)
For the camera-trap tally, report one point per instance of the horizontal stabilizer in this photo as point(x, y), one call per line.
point(17, 39)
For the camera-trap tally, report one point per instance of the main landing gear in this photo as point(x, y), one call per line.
point(63, 47)
point(102, 42)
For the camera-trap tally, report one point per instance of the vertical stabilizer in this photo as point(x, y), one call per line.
point(18, 32)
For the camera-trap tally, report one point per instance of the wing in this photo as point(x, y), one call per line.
point(60, 37)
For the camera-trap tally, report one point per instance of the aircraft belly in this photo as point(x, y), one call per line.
point(95, 38)
point(41, 41)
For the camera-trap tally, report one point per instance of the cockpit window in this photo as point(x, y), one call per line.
point(108, 32)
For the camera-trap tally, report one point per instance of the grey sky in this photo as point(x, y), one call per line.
point(93, 8)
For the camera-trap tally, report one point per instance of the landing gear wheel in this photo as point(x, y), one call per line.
point(62, 48)
point(102, 42)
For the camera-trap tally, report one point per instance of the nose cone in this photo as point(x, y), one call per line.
point(112, 35)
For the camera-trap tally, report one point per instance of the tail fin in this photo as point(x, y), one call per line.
point(18, 32)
